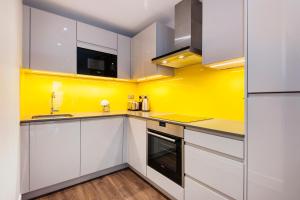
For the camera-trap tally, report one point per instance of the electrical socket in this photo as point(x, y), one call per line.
point(130, 96)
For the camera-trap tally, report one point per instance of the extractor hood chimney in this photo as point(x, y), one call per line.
point(188, 36)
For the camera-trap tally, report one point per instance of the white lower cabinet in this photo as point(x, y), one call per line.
point(54, 153)
point(216, 171)
point(196, 191)
point(101, 144)
point(24, 131)
point(137, 146)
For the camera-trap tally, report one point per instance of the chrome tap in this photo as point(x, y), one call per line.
point(53, 96)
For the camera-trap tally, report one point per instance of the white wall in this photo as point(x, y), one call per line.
point(10, 59)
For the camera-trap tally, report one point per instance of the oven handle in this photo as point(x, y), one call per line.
point(162, 137)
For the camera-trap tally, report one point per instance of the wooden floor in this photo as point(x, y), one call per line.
point(121, 185)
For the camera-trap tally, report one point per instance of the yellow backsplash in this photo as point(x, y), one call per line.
point(77, 94)
point(193, 90)
point(199, 91)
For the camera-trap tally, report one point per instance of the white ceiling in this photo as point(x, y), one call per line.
point(123, 16)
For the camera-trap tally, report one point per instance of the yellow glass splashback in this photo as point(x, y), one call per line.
point(198, 91)
point(75, 94)
point(194, 90)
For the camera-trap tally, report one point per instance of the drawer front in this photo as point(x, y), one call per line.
point(196, 191)
point(221, 144)
point(220, 173)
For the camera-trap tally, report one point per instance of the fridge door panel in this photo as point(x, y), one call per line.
point(274, 146)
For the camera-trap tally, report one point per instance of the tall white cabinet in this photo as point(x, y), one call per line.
point(273, 100)
point(274, 146)
point(52, 42)
point(54, 153)
point(273, 45)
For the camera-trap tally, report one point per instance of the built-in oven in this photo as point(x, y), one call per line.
point(165, 149)
point(91, 61)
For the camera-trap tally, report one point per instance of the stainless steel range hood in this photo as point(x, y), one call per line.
point(188, 36)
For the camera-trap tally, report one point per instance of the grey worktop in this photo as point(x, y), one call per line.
point(221, 126)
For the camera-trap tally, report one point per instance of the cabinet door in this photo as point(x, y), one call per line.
point(196, 191)
point(54, 153)
point(223, 30)
point(273, 45)
point(24, 131)
point(124, 60)
point(26, 36)
point(53, 42)
point(273, 146)
point(136, 57)
point(148, 39)
point(97, 36)
point(101, 144)
point(218, 172)
point(136, 133)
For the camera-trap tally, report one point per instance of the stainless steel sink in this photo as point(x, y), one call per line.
point(52, 116)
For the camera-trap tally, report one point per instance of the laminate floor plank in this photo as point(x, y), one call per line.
point(122, 185)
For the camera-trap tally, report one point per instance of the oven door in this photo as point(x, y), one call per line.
point(165, 155)
point(91, 62)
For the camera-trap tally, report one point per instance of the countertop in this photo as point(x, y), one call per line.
point(220, 126)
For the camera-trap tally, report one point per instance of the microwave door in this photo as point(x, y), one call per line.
point(91, 62)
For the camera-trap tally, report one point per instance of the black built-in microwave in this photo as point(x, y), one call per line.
point(90, 62)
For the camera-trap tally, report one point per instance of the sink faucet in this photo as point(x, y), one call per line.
point(53, 96)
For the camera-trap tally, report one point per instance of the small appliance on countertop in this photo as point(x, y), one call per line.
point(132, 104)
point(141, 105)
point(145, 104)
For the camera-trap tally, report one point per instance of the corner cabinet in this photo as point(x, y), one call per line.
point(137, 144)
point(223, 30)
point(52, 42)
point(101, 144)
point(54, 153)
point(153, 41)
point(124, 54)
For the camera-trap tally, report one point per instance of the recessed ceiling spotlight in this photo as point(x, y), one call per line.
point(164, 62)
point(181, 56)
point(59, 44)
point(65, 28)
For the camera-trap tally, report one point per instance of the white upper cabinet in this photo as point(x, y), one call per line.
point(97, 36)
point(273, 45)
point(223, 30)
point(101, 144)
point(137, 144)
point(53, 42)
point(26, 37)
point(153, 41)
point(54, 153)
point(124, 53)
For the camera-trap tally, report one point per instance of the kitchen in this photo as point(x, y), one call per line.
point(180, 99)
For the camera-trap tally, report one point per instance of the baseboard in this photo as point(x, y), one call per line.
point(69, 183)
